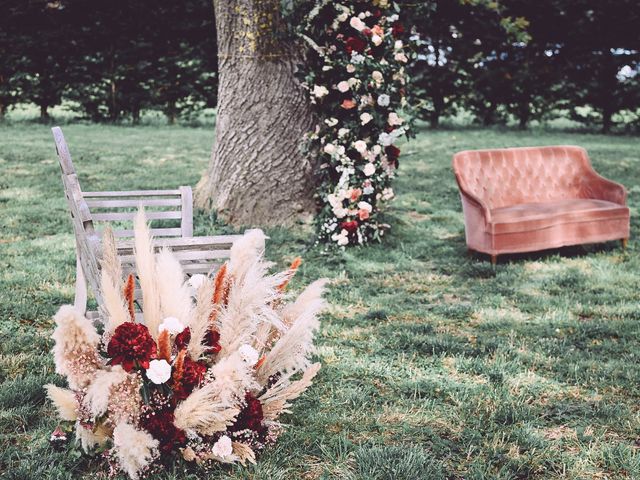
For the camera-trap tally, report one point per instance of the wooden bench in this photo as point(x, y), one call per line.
point(171, 210)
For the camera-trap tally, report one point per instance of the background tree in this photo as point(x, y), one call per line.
point(257, 173)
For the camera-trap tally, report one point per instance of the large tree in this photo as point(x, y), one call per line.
point(257, 174)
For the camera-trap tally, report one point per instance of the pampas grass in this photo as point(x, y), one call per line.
point(212, 407)
point(244, 252)
point(200, 319)
point(76, 348)
point(175, 298)
point(147, 274)
point(65, 402)
point(113, 310)
point(135, 449)
point(275, 400)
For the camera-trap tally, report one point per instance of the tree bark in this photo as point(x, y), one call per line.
point(257, 174)
point(44, 112)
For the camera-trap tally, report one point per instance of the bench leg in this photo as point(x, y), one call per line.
point(624, 243)
point(494, 259)
point(80, 302)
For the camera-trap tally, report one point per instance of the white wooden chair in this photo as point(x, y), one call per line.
point(172, 208)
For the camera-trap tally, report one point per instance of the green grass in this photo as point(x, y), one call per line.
point(435, 365)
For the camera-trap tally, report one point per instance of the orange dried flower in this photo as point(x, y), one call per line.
point(129, 290)
point(292, 271)
point(178, 369)
point(164, 346)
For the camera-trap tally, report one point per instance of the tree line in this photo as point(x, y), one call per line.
point(113, 59)
point(514, 59)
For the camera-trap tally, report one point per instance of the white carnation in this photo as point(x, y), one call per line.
point(394, 119)
point(172, 324)
point(159, 371)
point(319, 91)
point(223, 447)
point(376, 39)
point(330, 148)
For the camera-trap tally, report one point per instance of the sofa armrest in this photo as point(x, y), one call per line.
point(470, 201)
point(600, 188)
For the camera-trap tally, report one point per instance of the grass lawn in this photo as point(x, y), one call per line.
point(435, 365)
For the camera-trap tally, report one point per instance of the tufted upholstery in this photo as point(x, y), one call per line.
point(524, 199)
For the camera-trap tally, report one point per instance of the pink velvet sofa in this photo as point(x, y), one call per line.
point(528, 199)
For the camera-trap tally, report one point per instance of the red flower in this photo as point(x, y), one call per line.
point(392, 152)
point(350, 227)
point(160, 425)
point(250, 417)
point(131, 346)
point(397, 29)
point(192, 376)
point(183, 338)
point(212, 340)
point(367, 32)
point(352, 44)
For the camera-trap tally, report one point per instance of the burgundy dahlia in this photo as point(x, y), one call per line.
point(212, 340)
point(183, 338)
point(131, 346)
point(250, 417)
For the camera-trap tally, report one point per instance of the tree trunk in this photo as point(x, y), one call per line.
point(44, 113)
point(257, 174)
point(3, 110)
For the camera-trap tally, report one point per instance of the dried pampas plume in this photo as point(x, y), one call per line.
point(244, 252)
point(65, 402)
point(199, 324)
point(175, 298)
point(212, 407)
point(134, 449)
point(113, 309)
point(275, 400)
point(76, 348)
point(147, 275)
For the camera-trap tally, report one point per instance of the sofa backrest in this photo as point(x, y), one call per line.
point(510, 176)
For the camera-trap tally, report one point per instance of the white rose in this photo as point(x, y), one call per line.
point(342, 238)
point(342, 132)
point(223, 447)
point(398, 44)
point(365, 118)
point(343, 86)
point(367, 190)
point(159, 371)
point(387, 194)
point(385, 139)
point(383, 100)
point(369, 169)
point(377, 76)
point(333, 200)
point(365, 206)
point(376, 39)
point(377, 149)
point(331, 121)
point(394, 119)
point(340, 150)
point(360, 146)
point(340, 212)
point(330, 148)
point(249, 354)
point(401, 57)
point(356, 23)
point(351, 68)
point(320, 91)
point(172, 324)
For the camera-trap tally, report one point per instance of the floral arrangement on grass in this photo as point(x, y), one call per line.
point(203, 372)
point(356, 81)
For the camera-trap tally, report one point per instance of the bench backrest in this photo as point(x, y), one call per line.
point(510, 176)
point(169, 211)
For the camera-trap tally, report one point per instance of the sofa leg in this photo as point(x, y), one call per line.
point(494, 259)
point(624, 243)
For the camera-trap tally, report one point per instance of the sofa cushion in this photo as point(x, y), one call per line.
point(534, 216)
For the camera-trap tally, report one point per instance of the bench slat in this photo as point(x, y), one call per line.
point(114, 216)
point(144, 202)
point(156, 232)
point(183, 255)
point(133, 193)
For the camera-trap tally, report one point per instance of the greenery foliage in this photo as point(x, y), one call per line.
point(435, 365)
